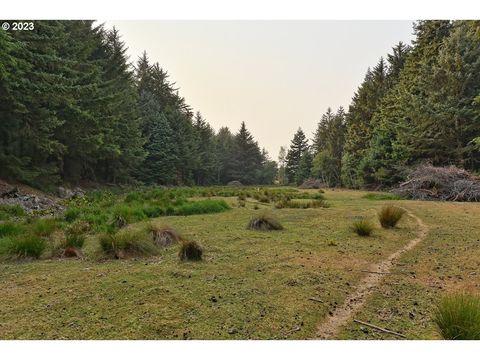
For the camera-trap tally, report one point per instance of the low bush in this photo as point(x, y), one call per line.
point(72, 214)
point(190, 250)
point(128, 242)
point(390, 215)
point(363, 227)
point(458, 317)
point(75, 234)
point(264, 222)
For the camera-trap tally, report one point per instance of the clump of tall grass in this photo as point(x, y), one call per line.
point(75, 234)
point(163, 235)
point(390, 215)
point(24, 246)
point(202, 207)
point(128, 242)
point(294, 204)
point(44, 227)
point(264, 222)
point(381, 196)
point(11, 211)
point(10, 229)
point(363, 227)
point(458, 317)
point(190, 250)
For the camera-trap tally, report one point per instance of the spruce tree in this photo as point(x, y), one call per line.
point(299, 145)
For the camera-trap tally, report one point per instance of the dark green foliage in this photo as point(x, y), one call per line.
point(202, 207)
point(363, 227)
point(390, 215)
point(190, 250)
point(458, 317)
point(75, 234)
point(264, 222)
point(298, 147)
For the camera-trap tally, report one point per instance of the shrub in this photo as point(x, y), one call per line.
point(129, 213)
point(390, 215)
point(363, 227)
point(163, 235)
point(10, 229)
point(133, 196)
point(25, 246)
point(9, 211)
point(75, 234)
point(190, 250)
point(264, 222)
point(127, 243)
point(458, 317)
point(241, 203)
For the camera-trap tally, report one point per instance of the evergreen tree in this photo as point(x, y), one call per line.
point(298, 147)
point(224, 154)
point(247, 159)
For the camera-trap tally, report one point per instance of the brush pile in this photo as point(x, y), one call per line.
point(428, 182)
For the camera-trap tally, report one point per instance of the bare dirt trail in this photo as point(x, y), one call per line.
point(331, 326)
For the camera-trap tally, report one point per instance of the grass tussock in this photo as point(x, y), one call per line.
point(23, 246)
point(295, 204)
point(190, 250)
point(381, 196)
point(10, 229)
point(8, 212)
point(390, 215)
point(128, 243)
point(202, 207)
point(163, 235)
point(363, 227)
point(458, 317)
point(264, 222)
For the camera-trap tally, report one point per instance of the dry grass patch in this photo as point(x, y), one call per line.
point(264, 222)
point(390, 215)
point(190, 250)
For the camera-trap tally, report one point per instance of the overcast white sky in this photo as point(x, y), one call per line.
point(274, 75)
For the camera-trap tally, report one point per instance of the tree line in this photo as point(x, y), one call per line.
point(72, 109)
point(419, 104)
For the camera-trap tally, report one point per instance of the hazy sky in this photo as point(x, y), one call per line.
point(274, 75)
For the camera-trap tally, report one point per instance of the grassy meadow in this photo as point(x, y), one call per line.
point(249, 284)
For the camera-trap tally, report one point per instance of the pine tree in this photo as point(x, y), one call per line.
point(247, 159)
point(298, 147)
point(204, 168)
point(224, 155)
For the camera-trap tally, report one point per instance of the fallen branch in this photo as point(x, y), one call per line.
point(315, 299)
point(379, 328)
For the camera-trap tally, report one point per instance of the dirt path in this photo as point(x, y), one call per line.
point(329, 328)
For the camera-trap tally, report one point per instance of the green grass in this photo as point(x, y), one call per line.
point(8, 212)
point(299, 204)
point(458, 317)
point(10, 228)
point(390, 215)
point(24, 246)
point(363, 227)
point(257, 282)
point(202, 207)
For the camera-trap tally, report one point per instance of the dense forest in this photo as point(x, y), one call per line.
point(73, 108)
point(420, 104)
